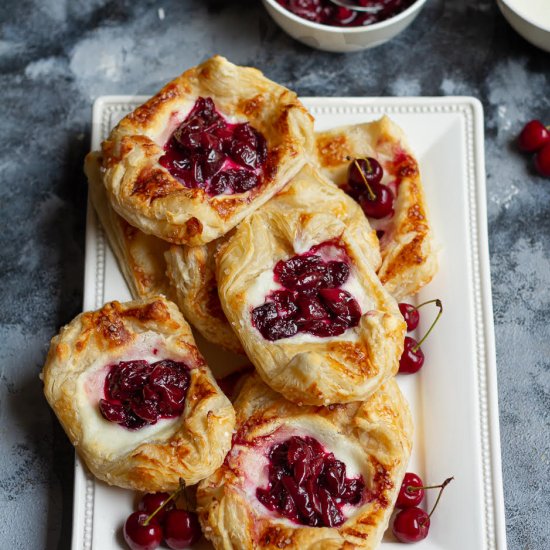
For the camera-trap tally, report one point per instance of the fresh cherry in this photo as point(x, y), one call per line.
point(377, 202)
point(410, 314)
point(411, 492)
point(412, 358)
point(181, 529)
point(152, 502)
point(141, 534)
point(364, 171)
point(542, 161)
point(533, 136)
point(411, 525)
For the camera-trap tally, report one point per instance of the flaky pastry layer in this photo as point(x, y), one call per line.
point(152, 458)
point(409, 259)
point(140, 257)
point(375, 437)
point(151, 199)
point(191, 270)
point(310, 369)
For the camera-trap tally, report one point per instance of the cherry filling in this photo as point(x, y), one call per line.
point(311, 300)
point(138, 393)
point(207, 152)
point(326, 13)
point(308, 485)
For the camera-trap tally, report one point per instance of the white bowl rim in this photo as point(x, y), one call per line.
point(416, 5)
point(525, 18)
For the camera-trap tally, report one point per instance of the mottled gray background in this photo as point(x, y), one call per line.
point(57, 56)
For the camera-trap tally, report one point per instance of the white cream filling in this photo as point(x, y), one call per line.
point(108, 437)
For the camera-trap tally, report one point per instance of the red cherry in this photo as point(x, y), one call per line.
point(411, 525)
point(533, 136)
point(407, 497)
point(542, 161)
point(139, 536)
point(412, 359)
point(151, 501)
point(379, 204)
point(368, 169)
point(181, 529)
point(410, 314)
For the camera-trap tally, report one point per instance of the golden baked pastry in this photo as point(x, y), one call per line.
point(136, 398)
point(280, 483)
point(409, 259)
point(296, 283)
point(140, 257)
point(191, 270)
point(204, 152)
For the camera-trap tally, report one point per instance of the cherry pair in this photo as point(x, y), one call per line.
point(412, 524)
point(365, 186)
point(413, 357)
point(535, 138)
point(158, 519)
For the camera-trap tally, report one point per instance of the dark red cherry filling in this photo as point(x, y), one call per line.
point(207, 152)
point(311, 300)
point(308, 485)
point(138, 393)
point(326, 13)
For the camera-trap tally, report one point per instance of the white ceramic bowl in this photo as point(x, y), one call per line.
point(525, 22)
point(341, 39)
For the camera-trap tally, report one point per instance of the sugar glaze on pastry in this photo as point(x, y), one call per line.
point(204, 152)
point(331, 362)
point(409, 259)
point(138, 442)
point(369, 441)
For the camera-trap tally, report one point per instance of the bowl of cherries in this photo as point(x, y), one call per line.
point(343, 25)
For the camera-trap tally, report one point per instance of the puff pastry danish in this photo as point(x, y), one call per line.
point(135, 397)
point(409, 259)
point(297, 284)
point(140, 256)
point(204, 152)
point(308, 477)
point(191, 270)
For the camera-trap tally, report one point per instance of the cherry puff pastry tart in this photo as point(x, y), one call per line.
point(191, 270)
point(136, 398)
point(204, 152)
point(308, 477)
point(140, 256)
point(409, 259)
point(297, 284)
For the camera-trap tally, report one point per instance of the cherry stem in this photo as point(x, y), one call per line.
point(442, 487)
point(439, 304)
point(174, 495)
point(425, 304)
point(184, 493)
point(411, 488)
point(372, 195)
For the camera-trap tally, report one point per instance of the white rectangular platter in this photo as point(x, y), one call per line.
point(454, 396)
